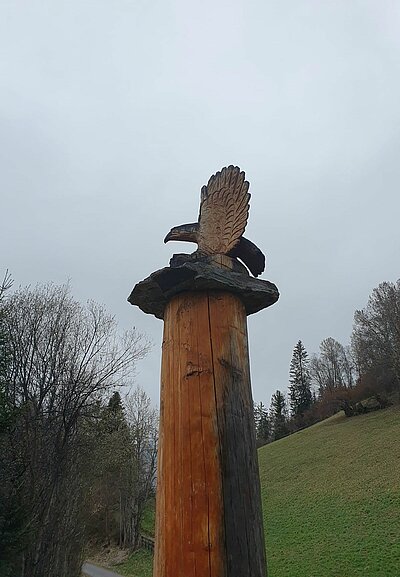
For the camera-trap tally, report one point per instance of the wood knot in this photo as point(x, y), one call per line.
point(193, 370)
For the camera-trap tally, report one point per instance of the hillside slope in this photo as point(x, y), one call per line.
point(331, 498)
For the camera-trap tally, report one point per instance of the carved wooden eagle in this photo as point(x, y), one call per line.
point(224, 210)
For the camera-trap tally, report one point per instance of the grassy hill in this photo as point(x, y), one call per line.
point(331, 499)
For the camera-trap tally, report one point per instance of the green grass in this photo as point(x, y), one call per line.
point(148, 520)
point(331, 498)
point(139, 564)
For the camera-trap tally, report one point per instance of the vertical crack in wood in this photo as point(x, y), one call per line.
point(172, 481)
point(218, 433)
point(189, 559)
point(179, 402)
point(206, 488)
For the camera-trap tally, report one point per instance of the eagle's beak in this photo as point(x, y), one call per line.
point(168, 237)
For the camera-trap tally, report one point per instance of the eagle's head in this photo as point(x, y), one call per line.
point(185, 232)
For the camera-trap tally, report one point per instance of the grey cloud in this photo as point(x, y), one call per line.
point(114, 114)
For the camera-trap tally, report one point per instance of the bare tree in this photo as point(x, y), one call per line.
point(64, 358)
point(6, 284)
point(376, 334)
point(140, 472)
point(11, 534)
point(333, 367)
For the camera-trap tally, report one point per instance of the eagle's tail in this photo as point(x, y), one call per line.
point(250, 254)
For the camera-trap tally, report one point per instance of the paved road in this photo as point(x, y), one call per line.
point(94, 571)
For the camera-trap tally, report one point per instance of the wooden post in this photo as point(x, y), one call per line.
point(208, 518)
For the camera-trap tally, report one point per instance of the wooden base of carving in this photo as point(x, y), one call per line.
point(208, 519)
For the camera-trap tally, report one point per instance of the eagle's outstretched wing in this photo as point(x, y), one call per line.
point(224, 211)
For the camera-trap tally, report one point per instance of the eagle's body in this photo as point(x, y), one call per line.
point(224, 210)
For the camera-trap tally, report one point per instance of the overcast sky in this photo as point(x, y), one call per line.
point(114, 113)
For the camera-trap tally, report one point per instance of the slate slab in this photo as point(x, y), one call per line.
point(209, 274)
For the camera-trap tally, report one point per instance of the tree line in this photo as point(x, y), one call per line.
point(77, 461)
point(339, 376)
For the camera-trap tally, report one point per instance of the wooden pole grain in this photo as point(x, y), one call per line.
point(208, 512)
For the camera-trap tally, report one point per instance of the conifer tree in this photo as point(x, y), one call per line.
point(278, 415)
point(300, 395)
point(262, 422)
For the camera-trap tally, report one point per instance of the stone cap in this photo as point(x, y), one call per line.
point(186, 273)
